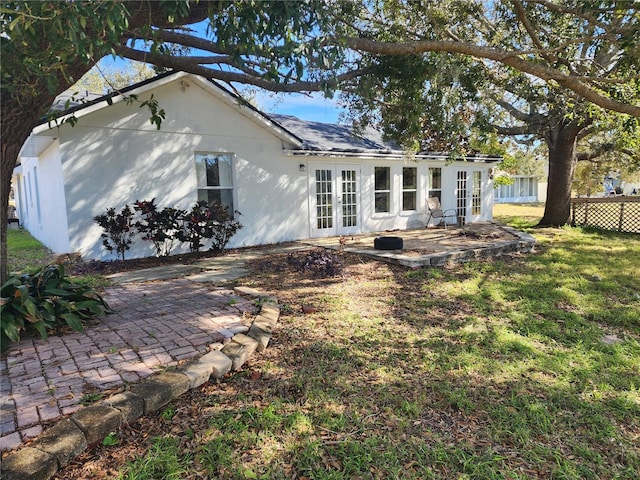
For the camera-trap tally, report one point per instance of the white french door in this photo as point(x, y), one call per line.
point(335, 200)
point(475, 213)
point(469, 195)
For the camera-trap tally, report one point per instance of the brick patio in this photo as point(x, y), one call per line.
point(155, 325)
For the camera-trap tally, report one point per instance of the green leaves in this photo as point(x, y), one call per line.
point(46, 40)
point(45, 301)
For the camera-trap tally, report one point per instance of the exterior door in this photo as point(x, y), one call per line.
point(476, 196)
point(335, 200)
point(469, 195)
point(462, 195)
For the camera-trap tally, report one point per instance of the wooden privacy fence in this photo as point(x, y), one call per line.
point(621, 214)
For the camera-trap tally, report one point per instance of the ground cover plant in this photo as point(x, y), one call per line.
point(40, 297)
point(516, 368)
point(45, 302)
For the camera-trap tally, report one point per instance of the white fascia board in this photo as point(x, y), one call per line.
point(35, 145)
point(245, 111)
point(376, 155)
point(339, 154)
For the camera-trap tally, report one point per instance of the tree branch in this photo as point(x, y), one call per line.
point(522, 17)
point(603, 149)
point(187, 65)
point(185, 40)
point(511, 59)
point(512, 131)
point(513, 111)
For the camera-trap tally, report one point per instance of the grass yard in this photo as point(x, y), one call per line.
point(25, 253)
point(520, 215)
point(523, 367)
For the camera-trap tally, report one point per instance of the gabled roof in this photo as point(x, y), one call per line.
point(307, 137)
point(73, 102)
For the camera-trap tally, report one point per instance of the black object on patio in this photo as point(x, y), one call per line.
point(388, 243)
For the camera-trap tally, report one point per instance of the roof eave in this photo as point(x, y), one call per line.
point(386, 154)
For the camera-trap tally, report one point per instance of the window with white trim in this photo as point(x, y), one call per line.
point(409, 188)
point(215, 178)
point(382, 189)
point(435, 183)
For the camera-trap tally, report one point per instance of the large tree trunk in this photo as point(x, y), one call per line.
point(19, 116)
point(18, 119)
point(561, 141)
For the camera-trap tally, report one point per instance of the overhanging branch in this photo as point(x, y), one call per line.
point(512, 131)
point(188, 65)
point(508, 58)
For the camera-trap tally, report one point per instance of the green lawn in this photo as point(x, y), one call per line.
point(517, 368)
point(25, 253)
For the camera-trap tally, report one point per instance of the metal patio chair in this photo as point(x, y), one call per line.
point(436, 212)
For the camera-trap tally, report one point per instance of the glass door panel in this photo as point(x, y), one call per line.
point(324, 199)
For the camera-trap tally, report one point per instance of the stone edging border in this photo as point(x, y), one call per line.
point(57, 446)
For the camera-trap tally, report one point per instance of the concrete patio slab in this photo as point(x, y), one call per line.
point(219, 276)
point(436, 246)
point(153, 274)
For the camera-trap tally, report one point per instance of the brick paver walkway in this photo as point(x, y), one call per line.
point(154, 325)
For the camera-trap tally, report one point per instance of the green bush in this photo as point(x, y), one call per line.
point(44, 302)
point(198, 225)
point(204, 222)
point(225, 225)
point(209, 222)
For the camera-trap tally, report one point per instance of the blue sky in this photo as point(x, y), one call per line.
point(312, 107)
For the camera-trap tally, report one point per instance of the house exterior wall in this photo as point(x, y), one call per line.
point(41, 199)
point(525, 189)
point(114, 156)
point(396, 218)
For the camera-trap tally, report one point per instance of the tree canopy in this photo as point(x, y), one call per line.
point(433, 99)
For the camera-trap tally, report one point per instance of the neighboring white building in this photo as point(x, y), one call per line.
point(289, 178)
point(524, 189)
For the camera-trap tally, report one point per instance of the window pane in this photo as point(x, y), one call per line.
point(382, 202)
point(408, 200)
point(435, 178)
point(223, 196)
point(437, 194)
point(213, 170)
point(382, 178)
point(409, 178)
point(476, 196)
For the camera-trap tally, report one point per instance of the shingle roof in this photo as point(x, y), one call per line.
point(72, 99)
point(329, 137)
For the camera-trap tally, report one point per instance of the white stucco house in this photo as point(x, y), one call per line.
point(290, 179)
